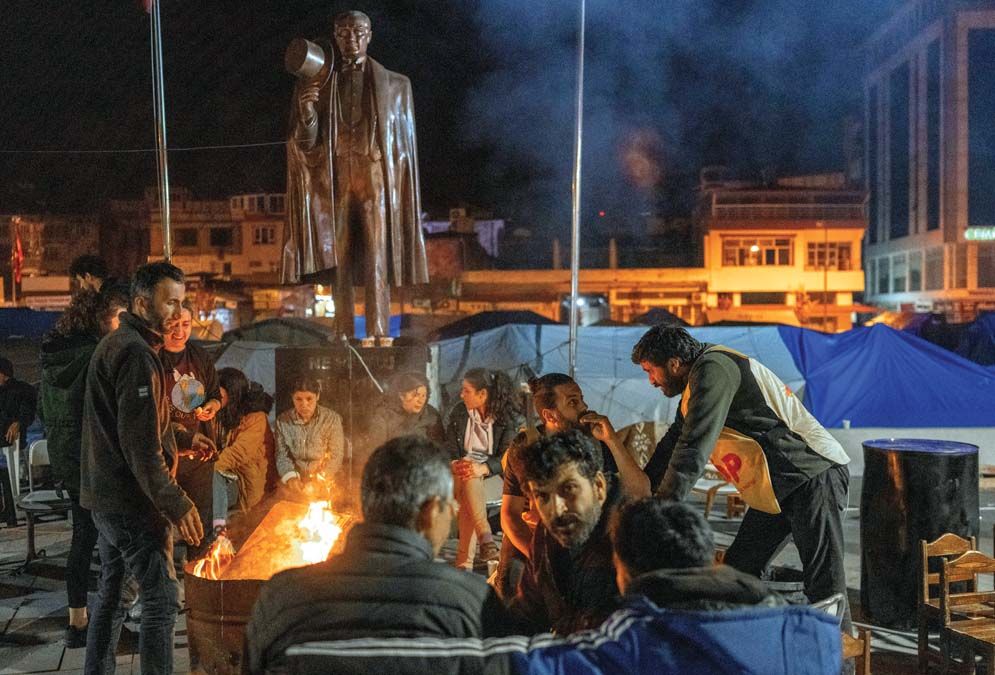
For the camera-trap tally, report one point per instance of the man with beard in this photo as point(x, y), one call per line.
point(790, 471)
point(569, 581)
point(560, 406)
point(127, 474)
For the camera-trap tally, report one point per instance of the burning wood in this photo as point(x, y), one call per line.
point(292, 534)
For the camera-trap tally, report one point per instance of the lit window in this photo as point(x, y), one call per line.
point(832, 255)
point(264, 235)
point(752, 252)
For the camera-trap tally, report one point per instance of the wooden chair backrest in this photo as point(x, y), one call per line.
point(946, 546)
point(971, 563)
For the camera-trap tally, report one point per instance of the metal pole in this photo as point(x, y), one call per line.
point(575, 219)
point(159, 106)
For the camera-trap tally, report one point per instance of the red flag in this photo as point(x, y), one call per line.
point(17, 254)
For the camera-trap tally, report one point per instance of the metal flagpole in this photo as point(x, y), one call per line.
point(159, 105)
point(575, 219)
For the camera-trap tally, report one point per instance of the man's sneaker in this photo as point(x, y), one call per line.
point(488, 551)
point(75, 637)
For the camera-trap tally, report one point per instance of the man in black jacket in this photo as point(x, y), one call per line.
point(789, 470)
point(569, 581)
point(127, 474)
point(17, 411)
point(385, 583)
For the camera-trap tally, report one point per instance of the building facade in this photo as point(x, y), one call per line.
point(929, 92)
point(238, 238)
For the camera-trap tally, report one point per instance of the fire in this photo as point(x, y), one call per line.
point(216, 559)
point(292, 534)
point(320, 531)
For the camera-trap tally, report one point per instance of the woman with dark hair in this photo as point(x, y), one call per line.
point(247, 454)
point(309, 438)
point(406, 412)
point(65, 355)
point(479, 430)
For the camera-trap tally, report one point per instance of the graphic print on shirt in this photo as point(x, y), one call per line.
point(187, 395)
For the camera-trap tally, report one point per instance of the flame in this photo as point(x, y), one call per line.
point(216, 559)
point(319, 531)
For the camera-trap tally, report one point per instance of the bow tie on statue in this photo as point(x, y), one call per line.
point(349, 66)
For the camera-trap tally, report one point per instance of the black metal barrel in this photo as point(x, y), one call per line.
point(913, 489)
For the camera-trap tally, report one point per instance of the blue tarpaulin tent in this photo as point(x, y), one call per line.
point(977, 343)
point(874, 377)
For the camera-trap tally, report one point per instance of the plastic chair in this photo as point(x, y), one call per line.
point(12, 453)
point(39, 503)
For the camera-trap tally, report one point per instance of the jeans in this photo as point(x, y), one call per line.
point(472, 520)
point(80, 553)
point(141, 545)
point(813, 515)
point(225, 491)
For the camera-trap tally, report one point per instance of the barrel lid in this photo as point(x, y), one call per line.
point(921, 445)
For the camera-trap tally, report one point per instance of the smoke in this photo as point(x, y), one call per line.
point(669, 87)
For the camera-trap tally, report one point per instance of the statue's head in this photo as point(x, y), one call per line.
point(352, 31)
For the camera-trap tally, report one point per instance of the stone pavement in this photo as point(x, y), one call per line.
point(33, 610)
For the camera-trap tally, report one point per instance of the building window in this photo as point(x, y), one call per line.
point(933, 136)
point(898, 150)
point(222, 237)
point(884, 275)
point(761, 299)
point(899, 273)
point(980, 131)
point(872, 165)
point(871, 274)
point(264, 235)
point(752, 252)
point(986, 265)
point(186, 237)
point(276, 204)
point(934, 269)
point(260, 204)
point(915, 271)
point(832, 255)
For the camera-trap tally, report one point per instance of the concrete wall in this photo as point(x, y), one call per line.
point(851, 440)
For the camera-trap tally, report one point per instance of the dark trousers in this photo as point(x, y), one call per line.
point(361, 240)
point(141, 545)
point(80, 553)
point(813, 515)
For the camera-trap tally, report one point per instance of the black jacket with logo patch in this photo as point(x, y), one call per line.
point(129, 453)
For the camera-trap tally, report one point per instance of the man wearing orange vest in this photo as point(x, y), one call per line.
point(739, 415)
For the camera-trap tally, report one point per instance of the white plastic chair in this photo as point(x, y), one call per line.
point(12, 453)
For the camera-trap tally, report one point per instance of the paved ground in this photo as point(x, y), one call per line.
point(33, 606)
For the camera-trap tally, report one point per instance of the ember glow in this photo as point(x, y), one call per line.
point(292, 534)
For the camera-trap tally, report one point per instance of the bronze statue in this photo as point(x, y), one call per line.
point(353, 202)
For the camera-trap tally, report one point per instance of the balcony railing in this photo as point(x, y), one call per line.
point(788, 211)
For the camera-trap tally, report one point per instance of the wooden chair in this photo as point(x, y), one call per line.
point(947, 546)
point(975, 633)
point(712, 485)
point(859, 649)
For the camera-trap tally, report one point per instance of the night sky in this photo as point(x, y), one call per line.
point(760, 86)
